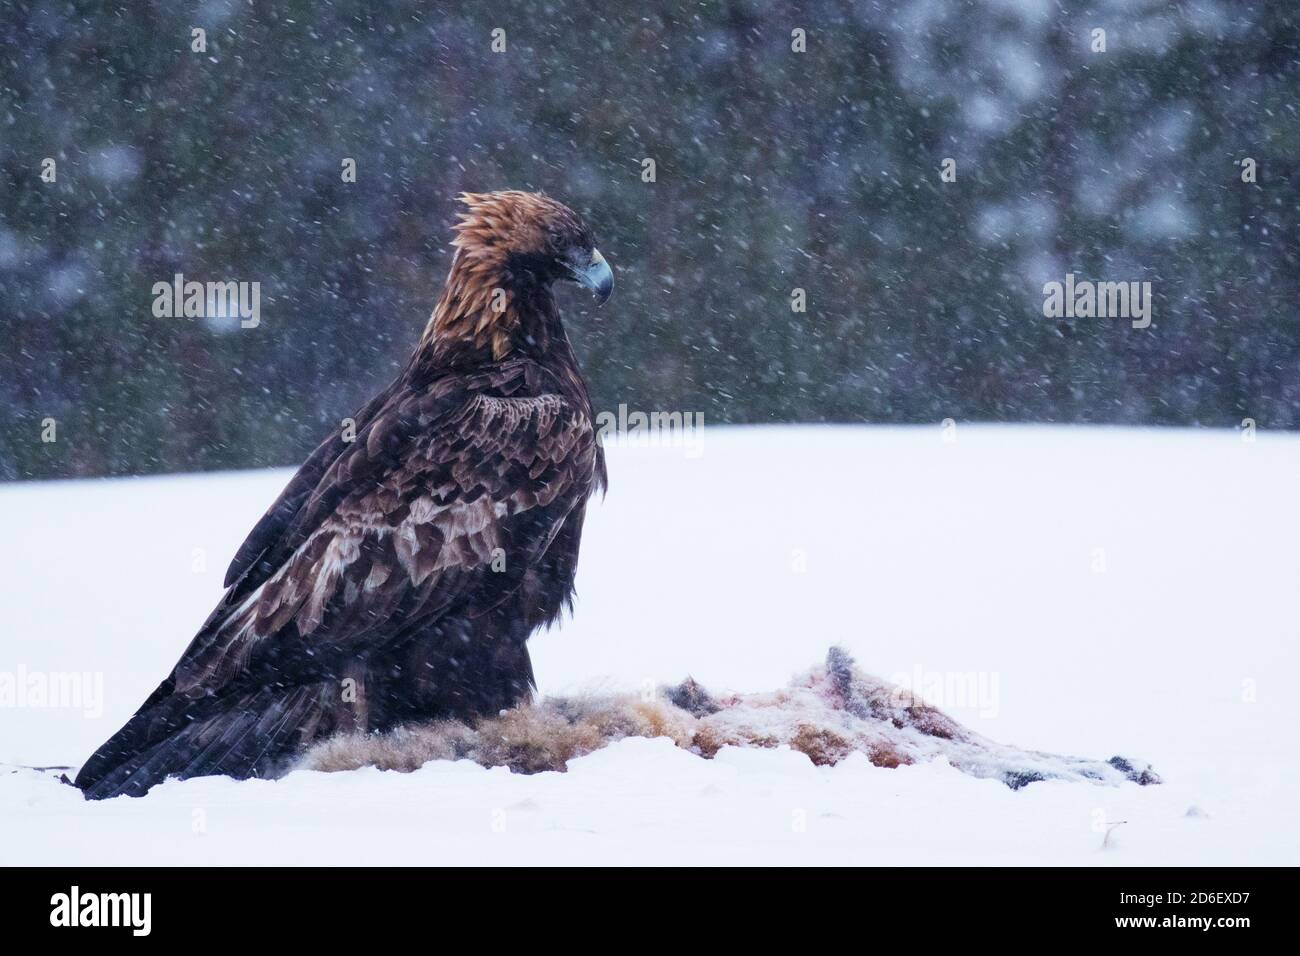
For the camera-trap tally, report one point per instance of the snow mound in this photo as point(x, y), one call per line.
point(833, 711)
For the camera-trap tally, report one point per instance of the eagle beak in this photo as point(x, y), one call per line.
point(596, 276)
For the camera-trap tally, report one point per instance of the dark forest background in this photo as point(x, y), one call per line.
point(775, 170)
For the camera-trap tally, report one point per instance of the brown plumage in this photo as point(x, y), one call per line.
point(399, 575)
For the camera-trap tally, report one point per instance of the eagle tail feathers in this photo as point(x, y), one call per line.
point(255, 733)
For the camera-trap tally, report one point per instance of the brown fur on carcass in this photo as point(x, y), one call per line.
point(828, 714)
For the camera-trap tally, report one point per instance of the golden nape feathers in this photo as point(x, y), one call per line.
point(509, 247)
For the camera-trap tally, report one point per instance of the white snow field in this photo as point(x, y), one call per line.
point(1093, 591)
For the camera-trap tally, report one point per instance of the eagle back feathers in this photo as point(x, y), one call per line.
point(433, 487)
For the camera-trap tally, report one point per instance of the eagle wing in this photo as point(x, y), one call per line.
point(397, 523)
point(446, 498)
point(271, 527)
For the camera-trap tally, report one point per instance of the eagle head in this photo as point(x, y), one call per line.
point(524, 238)
point(511, 247)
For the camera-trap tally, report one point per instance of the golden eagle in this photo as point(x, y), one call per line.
point(399, 575)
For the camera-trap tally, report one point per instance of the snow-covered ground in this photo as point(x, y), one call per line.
point(1084, 591)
